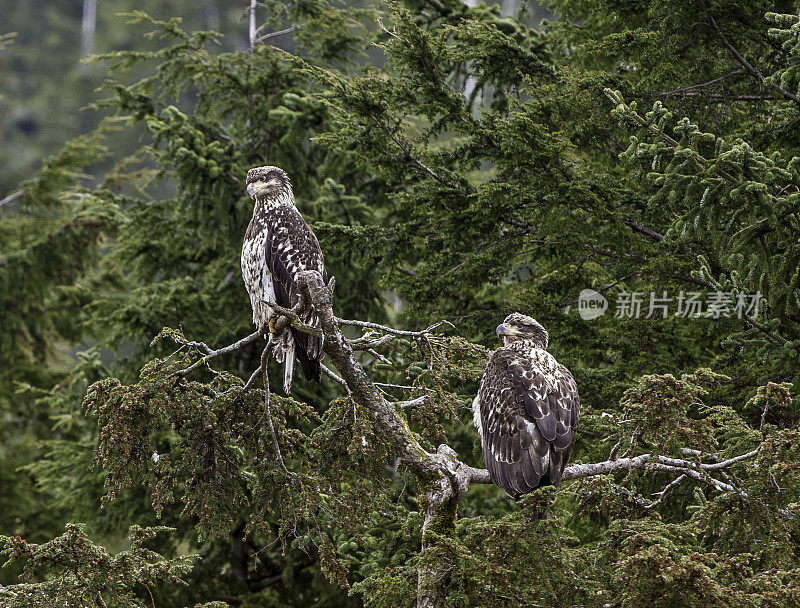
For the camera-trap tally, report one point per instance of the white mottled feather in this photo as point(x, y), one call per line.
point(279, 240)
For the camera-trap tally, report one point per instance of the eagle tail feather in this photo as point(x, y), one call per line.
point(528, 470)
point(309, 363)
point(288, 367)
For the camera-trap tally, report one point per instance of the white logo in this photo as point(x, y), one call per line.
point(591, 304)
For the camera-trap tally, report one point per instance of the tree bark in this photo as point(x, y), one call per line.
point(442, 478)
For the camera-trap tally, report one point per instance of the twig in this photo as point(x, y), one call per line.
point(607, 287)
point(663, 493)
point(392, 34)
point(288, 30)
point(328, 372)
point(404, 387)
point(391, 330)
point(762, 220)
point(746, 64)
point(412, 402)
point(252, 379)
point(704, 84)
point(12, 197)
point(378, 356)
point(267, 406)
point(367, 341)
point(730, 96)
point(210, 353)
point(407, 151)
point(719, 485)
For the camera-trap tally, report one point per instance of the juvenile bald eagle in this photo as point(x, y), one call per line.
point(278, 246)
point(526, 410)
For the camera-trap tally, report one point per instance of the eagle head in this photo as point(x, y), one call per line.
point(272, 182)
point(519, 327)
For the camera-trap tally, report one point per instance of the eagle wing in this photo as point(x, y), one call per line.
point(292, 248)
point(527, 421)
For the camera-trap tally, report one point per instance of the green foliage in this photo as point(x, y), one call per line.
point(81, 573)
point(474, 165)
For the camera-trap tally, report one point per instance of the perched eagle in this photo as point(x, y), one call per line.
point(278, 246)
point(526, 410)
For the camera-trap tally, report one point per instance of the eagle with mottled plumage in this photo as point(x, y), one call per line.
point(526, 410)
point(278, 246)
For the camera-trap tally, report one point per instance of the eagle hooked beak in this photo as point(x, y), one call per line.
point(251, 190)
point(505, 330)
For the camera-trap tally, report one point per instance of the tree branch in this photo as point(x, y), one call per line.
point(746, 64)
point(11, 197)
point(391, 330)
point(265, 37)
point(293, 318)
point(328, 372)
point(443, 479)
point(210, 353)
point(682, 90)
point(660, 463)
point(642, 229)
point(407, 151)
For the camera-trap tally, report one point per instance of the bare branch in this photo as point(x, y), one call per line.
point(288, 30)
point(210, 353)
point(687, 468)
point(678, 92)
point(391, 330)
point(404, 387)
point(738, 232)
point(412, 402)
point(378, 356)
point(11, 197)
point(407, 151)
point(660, 463)
point(642, 229)
point(726, 463)
point(383, 27)
point(267, 405)
point(746, 64)
point(251, 380)
point(731, 96)
point(663, 493)
point(328, 372)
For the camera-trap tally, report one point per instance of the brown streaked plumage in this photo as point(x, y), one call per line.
point(526, 410)
point(278, 246)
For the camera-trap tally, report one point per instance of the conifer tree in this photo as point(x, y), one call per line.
point(552, 174)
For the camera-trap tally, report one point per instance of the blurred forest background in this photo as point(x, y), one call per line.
point(458, 161)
